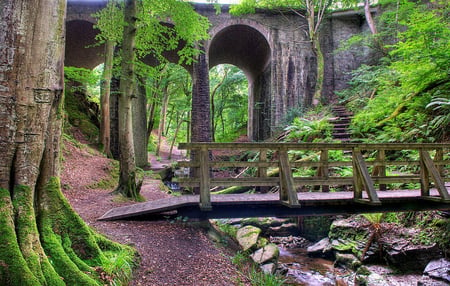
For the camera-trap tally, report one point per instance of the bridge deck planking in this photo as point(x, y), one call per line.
point(311, 203)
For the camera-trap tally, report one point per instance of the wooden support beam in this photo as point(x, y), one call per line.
point(205, 195)
point(435, 175)
point(288, 192)
point(424, 177)
point(324, 171)
point(379, 169)
point(362, 176)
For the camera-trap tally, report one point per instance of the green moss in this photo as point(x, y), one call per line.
point(109, 182)
point(75, 249)
point(14, 269)
point(77, 116)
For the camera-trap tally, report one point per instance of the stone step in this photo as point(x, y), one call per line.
point(341, 135)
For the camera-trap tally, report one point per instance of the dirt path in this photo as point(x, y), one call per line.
point(171, 253)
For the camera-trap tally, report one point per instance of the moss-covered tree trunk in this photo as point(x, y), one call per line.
point(42, 240)
point(129, 184)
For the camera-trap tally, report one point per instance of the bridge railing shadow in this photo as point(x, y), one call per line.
point(280, 165)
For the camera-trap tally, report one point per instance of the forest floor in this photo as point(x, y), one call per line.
point(171, 253)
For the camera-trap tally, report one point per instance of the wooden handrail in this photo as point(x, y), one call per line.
point(362, 180)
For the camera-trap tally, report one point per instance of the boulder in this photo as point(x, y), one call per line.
point(266, 223)
point(347, 236)
point(438, 269)
point(411, 257)
point(269, 268)
point(347, 260)
point(322, 248)
point(247, 237)
point(268, 253)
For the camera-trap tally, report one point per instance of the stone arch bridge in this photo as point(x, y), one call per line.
point(271, 48)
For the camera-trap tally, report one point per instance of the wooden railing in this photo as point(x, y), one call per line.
point(363, 178)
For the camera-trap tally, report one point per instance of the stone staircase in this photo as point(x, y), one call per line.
point(341, 123)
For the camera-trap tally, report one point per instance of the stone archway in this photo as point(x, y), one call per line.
point(81, 50)
point(244, 45)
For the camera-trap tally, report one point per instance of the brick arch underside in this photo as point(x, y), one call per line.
point(247, 48)
point(240, 45)
point(80, 49)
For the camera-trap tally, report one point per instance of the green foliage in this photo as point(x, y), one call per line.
point(230, 90)
point(240, 259)
point(110, 22)
point(77, 115)
point(154, 36)
point(226, 228)
point(403, 98)
point(310, 130)
point(79, 75)
point(161, 26)
point(374, 218)
point(259, 278)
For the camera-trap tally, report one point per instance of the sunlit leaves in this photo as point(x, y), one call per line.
point(162, 25)
point(110, 22)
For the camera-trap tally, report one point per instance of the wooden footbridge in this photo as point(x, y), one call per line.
point(363, 171)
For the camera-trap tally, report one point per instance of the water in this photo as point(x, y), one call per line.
point(301, 269)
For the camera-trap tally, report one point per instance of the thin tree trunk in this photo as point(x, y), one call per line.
point(369, 18)
point(105, 125)
point(162, 118)
point(151, 115)
point(177, 129)
point(128, 181)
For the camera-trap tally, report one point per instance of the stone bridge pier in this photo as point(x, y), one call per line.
point(273, 50)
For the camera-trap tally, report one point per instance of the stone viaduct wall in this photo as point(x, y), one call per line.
point(271, 48)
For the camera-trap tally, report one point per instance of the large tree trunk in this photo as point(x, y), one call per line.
point(129, 184)
point(42, 240)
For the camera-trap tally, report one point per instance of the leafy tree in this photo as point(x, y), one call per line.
point(159, 26)
point(229, 98)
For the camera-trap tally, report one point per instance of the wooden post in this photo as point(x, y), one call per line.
point(287, 188)
point(324, 169)
point(424, 176)
point(433, 171)
point(262, 171)
point(439, 157)
point(205, 195)
point(379, 169)
point(357, 182)
point(364, 177)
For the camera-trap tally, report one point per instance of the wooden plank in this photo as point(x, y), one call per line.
point(424, 177)
point(379, 169)
point(435, 175)
point(288, 192)
point(324, 171)
point(205, 195)
point(315, 202)
point(363, 175)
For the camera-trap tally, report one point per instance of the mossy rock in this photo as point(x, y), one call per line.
point(268, 253)
point(348, 236)
point(248, 236)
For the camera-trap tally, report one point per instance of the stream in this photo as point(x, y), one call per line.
point(300, 269)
